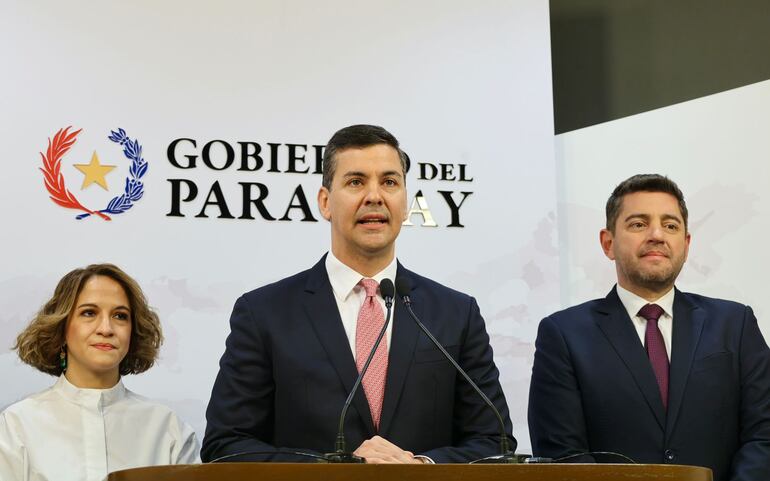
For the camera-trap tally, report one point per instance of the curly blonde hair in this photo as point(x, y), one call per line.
point(43, 339)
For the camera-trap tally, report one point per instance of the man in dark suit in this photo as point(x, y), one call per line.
point(650, 372)
point(296, 346)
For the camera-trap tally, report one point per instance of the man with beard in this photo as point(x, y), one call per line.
point(650, 372)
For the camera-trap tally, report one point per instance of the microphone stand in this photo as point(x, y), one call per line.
point(507, 456)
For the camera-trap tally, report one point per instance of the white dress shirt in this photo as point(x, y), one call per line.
point(350, 296)
point(66, 433)
point(633, 303)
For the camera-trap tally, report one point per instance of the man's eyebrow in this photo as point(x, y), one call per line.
point(647, 217)
point(634, 216)
point(389, 173)
point(671, 217)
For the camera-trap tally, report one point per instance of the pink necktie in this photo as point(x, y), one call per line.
point(370, 321)
point(656, 348)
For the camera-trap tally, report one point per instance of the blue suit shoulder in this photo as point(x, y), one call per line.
point(280, 288)
point(436, 288)
point(577, 315)
point(432, 293)
point(712, 303)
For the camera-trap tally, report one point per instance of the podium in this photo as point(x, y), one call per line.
point(401, 472)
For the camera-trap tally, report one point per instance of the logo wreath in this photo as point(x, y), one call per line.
point(54, 180)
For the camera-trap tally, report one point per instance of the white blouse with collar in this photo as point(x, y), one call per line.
point(66, 433)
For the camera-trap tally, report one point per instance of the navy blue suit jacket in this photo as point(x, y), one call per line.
point(593, 388)
point(287, 370)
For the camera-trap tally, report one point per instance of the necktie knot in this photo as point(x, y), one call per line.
point(370, 286)
point(651, 312)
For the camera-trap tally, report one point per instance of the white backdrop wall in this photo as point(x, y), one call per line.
point(458, 83)
point(716, 149)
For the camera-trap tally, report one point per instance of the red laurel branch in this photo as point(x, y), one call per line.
point(54, 180)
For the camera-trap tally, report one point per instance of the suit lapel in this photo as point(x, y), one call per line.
point(323, 314)
point(686, 330)
point(619, 330)
point(404, 339)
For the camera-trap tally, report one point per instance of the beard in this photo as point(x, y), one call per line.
point(656, 279)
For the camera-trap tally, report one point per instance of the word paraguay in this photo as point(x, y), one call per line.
point(239, 196)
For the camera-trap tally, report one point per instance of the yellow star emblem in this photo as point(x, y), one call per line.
point(94, 172)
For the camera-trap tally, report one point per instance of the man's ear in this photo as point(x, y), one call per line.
point(323, 203)
point(606, 239)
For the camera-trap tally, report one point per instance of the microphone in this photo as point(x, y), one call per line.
point(404, 287)
point(341, 454)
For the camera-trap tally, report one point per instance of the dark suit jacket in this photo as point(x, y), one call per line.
point(287, 370)
point(593, 388)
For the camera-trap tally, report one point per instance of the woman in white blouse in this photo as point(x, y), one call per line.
point(96, 328)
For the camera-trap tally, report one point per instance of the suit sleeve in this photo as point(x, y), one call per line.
point(556, 424)
point(477, 431)
point(240, 414)
point(752, 460)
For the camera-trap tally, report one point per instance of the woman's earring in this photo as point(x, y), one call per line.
point(63, 359)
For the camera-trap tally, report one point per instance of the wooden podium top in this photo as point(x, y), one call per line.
point(400, 472)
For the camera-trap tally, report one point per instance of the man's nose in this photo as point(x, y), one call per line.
point(656, 233)
point(373, 193)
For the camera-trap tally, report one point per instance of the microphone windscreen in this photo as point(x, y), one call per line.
point(403, 286)
point(387, 289)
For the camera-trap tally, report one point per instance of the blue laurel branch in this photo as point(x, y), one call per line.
point(134, 188)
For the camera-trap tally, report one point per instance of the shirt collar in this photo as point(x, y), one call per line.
point(344, 279)
point(90, 397)
point(633, 303)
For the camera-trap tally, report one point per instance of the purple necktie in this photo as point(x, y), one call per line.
point(656, 348)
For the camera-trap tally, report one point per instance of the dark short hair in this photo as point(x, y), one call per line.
point(40, 343)
point(642, 183)
point(357, 136)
